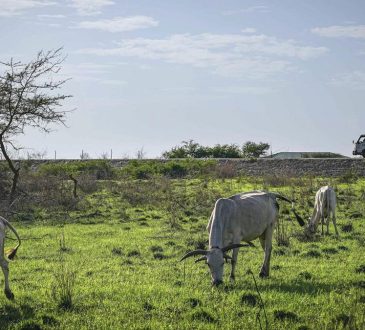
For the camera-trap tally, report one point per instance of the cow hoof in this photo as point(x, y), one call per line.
point(9, 294)
point(263, 274)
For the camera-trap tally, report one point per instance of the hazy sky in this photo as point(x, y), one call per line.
point(150, 74)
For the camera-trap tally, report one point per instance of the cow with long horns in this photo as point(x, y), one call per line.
point(242, 217)
point(10, 254)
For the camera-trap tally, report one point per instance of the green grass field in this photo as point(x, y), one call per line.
point(119, 252)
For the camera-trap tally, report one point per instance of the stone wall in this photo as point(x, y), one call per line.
point(290, 167)
point(298, 167)
point(279, 167)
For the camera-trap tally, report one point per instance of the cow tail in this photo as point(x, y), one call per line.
point(10, 253)
point(297, 216)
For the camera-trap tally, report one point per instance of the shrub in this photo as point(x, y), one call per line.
point(100, 168)
point(191, 149)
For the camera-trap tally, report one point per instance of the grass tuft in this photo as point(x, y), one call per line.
point(133, 253)
point(49, 320)
point(147, 307)
point(62, 290)
point(249, 299)
point(159, 256)
point(305, 275)
point(342, 319)
point(193, 302)
point(312, 254)
point(117, 251)
point(156, 248)
point(347, 228)
point(281, 315)
point(360, 269)
point(330, 251)
point(203, 316)
point(30, 325)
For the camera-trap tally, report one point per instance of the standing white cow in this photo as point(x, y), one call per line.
point(242, 217)
point(10, 254)
point(324, 209)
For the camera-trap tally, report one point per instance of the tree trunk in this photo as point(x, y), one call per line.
point(75, 185)
point(13, 169)
point(14, 186)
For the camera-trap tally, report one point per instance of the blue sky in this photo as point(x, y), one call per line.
point(150, 74)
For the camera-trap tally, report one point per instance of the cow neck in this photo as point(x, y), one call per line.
point(216, 233)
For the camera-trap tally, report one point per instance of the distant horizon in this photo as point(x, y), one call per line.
point(268, 155)
point(111, 155)
point(148, 75)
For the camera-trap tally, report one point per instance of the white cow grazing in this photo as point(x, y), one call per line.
point(242, 217)
point(10, 254)
point(324, 208)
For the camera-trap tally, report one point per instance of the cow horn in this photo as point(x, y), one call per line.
point(299, 218)
point(194, 253)
point(235, 246)
point(201, 259)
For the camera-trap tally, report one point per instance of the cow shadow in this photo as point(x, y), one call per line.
point(11, 314)
point(299, 286)
point(302, 287)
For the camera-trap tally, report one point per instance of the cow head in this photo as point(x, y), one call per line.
point(214, 258)
point(311, 227)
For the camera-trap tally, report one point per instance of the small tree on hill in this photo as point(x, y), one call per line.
point(254, 150)
point(28, 98)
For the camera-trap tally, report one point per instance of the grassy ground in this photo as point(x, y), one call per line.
point(119, 251)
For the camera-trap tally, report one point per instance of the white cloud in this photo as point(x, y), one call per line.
point(48, 16)
point(86, 68)
point(113, 82)
point(248, 30)
point(353, 80)
point(87, 71)
point(120, 24)
point(226, 54)
point(16, 7)
point(247, 10)
point(90, 7)
point(336, 31)
point(253, 90)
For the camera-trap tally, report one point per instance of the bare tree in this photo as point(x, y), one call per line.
point(28, 98)
point(140, 153)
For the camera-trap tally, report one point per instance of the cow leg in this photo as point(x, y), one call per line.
point(334, 222)
point(266, 243)
point(328, 224)
point(322, 223)
point(5, 269)
point(233, 263)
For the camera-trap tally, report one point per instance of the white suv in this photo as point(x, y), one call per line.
point(360, 146)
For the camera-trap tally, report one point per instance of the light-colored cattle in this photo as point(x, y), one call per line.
point(324, 209)
point(242, 217)
point(10, 254)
